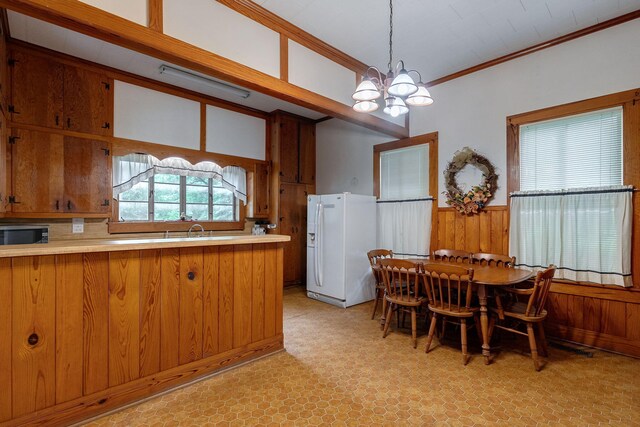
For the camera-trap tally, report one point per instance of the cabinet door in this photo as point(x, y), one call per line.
point(261, 191)
point(37, 175)
point(87, 106)
point(36, 90)
point(293, 222)
point(307, 153)
point(288, 149)
point(87, 176)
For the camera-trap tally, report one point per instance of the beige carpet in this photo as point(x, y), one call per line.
point(338, 370)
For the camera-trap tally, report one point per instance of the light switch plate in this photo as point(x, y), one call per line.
point(78, 225)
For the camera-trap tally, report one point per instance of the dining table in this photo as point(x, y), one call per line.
point(485, 277)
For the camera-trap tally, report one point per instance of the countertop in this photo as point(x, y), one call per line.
point(111, 245)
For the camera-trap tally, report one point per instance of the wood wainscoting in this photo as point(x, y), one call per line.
point(606, 317)
point(81, 334)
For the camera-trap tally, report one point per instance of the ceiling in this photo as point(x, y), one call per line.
point(435, 37)
point(441, 37)
point(47, 35)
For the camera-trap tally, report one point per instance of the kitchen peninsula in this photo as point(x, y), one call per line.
point(91, 325)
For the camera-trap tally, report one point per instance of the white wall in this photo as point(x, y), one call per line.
point(218, 29)
point(344, 157)
point(235, 134)
point(133, 10)
point(319, 74)
point(148, 115)
point(472, 110)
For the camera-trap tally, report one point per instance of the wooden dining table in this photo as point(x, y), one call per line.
point(485, 277)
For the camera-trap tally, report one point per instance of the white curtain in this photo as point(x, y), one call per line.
point(585, 232)
point(405, 227)
point(133, 168)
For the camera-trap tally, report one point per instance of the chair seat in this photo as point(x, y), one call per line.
point(464, 312)
point(517, 311)
point(407, 300)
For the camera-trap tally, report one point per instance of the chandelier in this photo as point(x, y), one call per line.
point(397, 87)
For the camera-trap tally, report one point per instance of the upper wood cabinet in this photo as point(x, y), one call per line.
point(36, 90)
point(307, 153)
point(58, 175)
point(87, 101)
point(48, 93)
point(295, 140)
point(259, 192)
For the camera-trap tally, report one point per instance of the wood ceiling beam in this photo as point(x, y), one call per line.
point(94, 22)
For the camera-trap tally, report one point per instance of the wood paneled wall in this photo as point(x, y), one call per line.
point(82, 334)
point(606, 317)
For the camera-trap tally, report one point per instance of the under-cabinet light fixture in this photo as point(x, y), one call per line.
point(170, 71)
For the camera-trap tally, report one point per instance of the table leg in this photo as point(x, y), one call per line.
point(484, 322)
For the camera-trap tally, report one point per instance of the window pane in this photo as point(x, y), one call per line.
point(216, 182)
point(572, 152)
point(222, 196)
point(169, 179)
point(166, 193)
point(194, 180)
point(404, 173)
point(134, 211)
point(198, 212)
point(223, 213)
point(166, 211)
point(138, 193)
point(197, 194)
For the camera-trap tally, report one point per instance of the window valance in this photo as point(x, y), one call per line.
point(134, 168)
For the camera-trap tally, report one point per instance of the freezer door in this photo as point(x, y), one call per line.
point(331, 246)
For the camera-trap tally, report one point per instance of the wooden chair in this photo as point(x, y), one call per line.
point(374, 256)
point(401, 291)
point(449, 293)
point(515, 314)
point(493, 260)
point(451, 255)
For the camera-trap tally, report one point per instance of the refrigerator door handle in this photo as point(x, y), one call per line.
point(319, 243)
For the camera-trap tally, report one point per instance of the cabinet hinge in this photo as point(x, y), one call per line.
point(12, 109)
point(13, 139)
point(12, 200)
point(11, 62)
point(106, 125)
point(105, 203)
point(107, 86)
point(106, 151)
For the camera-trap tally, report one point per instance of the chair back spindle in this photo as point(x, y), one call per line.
point(399, 277)
point(451, 255)
point(448, 287)
point(493, 260)
point(540, 291)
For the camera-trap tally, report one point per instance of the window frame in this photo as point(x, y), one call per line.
point(630, 103)
point(428, 138)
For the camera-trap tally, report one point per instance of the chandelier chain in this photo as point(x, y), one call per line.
point(390, 33)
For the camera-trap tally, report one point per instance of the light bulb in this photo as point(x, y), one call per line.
point(366, 91)
point(403, 85)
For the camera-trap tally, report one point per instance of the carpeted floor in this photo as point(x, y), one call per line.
point(338, 370)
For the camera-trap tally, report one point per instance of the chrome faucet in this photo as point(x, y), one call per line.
point(190, 232)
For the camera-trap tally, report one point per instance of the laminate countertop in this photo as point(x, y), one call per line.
point(111, 245)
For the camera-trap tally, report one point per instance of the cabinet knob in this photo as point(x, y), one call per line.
point(33, 339)
point(191, 275)
point(69, 205)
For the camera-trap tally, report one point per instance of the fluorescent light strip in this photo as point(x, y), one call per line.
point(170, 71)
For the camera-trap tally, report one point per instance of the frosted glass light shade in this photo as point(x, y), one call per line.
point(366, 91)
point(403, 85)
point(421, 98)
point(365, 106)
point(396, 107)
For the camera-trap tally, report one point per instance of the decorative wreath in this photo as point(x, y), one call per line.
point(472, 201)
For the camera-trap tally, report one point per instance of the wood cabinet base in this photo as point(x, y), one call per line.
point(112, 398)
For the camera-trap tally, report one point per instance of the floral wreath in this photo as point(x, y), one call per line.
point(475, 199)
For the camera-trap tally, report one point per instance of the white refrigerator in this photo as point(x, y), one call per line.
point(341, 229)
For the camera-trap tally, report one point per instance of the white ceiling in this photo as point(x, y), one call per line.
point(440, 37)
point(66, 41)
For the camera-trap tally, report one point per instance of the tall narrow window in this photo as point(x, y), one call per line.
point(572, 210)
